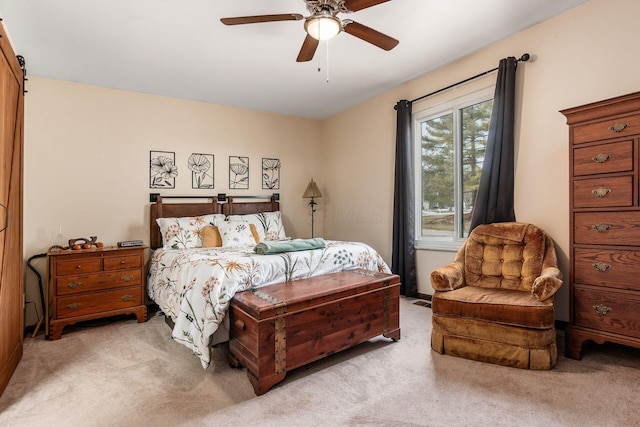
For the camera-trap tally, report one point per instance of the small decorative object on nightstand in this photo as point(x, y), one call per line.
point(94, 283)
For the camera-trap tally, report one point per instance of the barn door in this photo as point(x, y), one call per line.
point(11, 151)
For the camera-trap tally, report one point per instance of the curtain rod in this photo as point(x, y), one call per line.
point(524, 58)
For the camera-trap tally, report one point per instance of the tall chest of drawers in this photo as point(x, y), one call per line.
point(95, 283)
point(605, 223)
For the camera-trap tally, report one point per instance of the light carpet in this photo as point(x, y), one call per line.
point(122, 373)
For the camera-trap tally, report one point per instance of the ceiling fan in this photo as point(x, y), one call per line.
point(323, 24)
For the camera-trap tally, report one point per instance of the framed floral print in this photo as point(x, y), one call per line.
point(202, 170)
point(270, 174)
point(238, 173)
point(162, 169)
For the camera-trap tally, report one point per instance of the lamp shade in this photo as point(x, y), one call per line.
point(312, 190)
point(323, 27)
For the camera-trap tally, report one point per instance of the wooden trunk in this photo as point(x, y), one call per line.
point(277, 328)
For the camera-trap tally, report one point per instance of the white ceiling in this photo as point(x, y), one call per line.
point(179, 48)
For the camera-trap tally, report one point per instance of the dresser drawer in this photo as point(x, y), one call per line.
point(611, 268)
point(607, 228)
point(603, 158)
point(603, 192)
point(607, 311)
point(614, 127)
point(93, 282)
point(78, 305)
point(78, 266)
point(122, 262)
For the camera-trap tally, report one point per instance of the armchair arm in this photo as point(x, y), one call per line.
point(547, 284)
point(448, 278)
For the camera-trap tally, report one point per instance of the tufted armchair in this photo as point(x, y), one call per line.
point(495, 302)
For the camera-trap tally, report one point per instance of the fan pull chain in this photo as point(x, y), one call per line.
point(327, 43)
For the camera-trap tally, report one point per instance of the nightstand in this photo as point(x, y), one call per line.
point(94, 283)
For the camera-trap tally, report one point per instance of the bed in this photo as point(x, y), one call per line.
point(193, 282)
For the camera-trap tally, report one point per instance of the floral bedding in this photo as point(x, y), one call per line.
point(195, 286)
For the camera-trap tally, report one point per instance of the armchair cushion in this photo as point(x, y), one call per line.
point(505, 306)
point(506, 255)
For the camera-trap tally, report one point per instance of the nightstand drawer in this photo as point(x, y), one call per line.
point(607, 311)
point(611, 268)
point(603, 192)
point(78, 266)
point(122, 262)
point(93, 282)
point(78, 305)
point(615, 127)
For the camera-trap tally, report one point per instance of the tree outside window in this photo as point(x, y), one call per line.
point(452, 143)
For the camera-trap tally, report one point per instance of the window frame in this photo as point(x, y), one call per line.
point(451, 106)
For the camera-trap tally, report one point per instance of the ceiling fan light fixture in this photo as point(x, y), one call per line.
point(323, 27)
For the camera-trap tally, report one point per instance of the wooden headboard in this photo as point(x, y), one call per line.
point(234, 207)
point(238, 205)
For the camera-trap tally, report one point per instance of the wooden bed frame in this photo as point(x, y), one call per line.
point(281, 327)
point(220, 204)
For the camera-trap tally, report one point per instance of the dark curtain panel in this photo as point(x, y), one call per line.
point(494, 201)
point(403, 261)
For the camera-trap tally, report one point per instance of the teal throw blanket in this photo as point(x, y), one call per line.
point(279, 246)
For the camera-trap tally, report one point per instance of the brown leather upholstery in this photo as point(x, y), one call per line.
point(495, 301)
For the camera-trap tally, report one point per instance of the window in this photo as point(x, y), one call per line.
point(451, 139)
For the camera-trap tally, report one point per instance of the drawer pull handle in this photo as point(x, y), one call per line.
point(601, 266)
point(618, 127)
point(74, 285)
point(126, 297)
point(240, 325)
point(601, 228)
point(127, 278)
point(78, 266)
point(601, 158)
point(74, 306)
point(602, 309)
point(601, 192)
point(122, 262)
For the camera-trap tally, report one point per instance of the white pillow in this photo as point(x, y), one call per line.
point(235, 233)
point(186, 232)
point(268, 224)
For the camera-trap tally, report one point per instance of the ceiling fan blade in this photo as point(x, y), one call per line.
point(308, 49)
point(369, 35)
point(355, 5)
point(261, 18)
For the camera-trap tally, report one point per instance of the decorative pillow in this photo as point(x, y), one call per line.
point(185, 232)
point(254, 232)
point(211, 237)
point(268, 224)
point(236, 233)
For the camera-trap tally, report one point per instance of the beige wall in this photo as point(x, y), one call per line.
point(581, 56)
point(87, 160)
